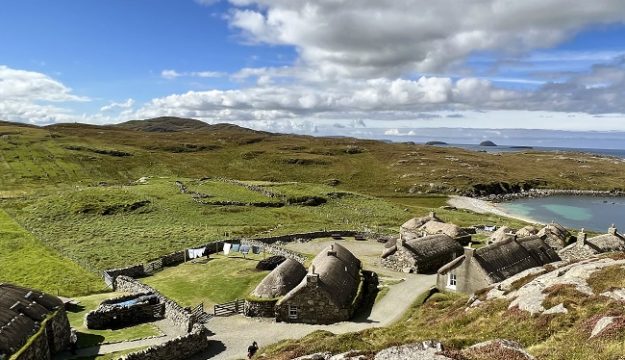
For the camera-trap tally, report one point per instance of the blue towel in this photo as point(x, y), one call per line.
point(245, 249)
point(236, 247)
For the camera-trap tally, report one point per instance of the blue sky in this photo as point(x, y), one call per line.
point(317, 67)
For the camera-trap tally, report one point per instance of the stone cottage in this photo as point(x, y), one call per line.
point(555, 235)
point(409, 229)
point(33, 325)
point(585, 247)
point(330, 291)
point(284, 278)
point(421, 255)
point(480, 268)
point(432, 225)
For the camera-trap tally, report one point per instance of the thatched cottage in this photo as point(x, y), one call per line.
point(33, 325)
point(480, 268)
point(421, 255)
point(330, 291)
point(585, 247)
point(432, 225)
point(555, 235)
point(284, 278)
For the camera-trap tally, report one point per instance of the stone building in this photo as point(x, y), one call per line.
point(421, 255)
point(585, 247)
point(284, 278)
point(480, 268)
point(554, 234)
point(330, 291)
point(432, 225)
point(33, 325)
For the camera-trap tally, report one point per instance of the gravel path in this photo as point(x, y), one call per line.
point(234, 334)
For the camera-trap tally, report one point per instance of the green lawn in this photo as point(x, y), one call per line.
point(88, 337)
point(218, 280)
point(25, 261)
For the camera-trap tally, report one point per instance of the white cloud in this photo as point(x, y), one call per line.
point(206, 2)
point(118, 105)
point(170, 74)
point(391, 38)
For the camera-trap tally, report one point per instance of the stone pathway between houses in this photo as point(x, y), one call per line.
point(234, 334)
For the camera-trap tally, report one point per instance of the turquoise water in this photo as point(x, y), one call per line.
point(592, 213)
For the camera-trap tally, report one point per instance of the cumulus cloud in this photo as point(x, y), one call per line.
point(29, 96)
point(390, 37)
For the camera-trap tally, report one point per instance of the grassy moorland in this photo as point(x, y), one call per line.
point(25, 260)
point(33, 157)
point(445, 317)
point(102, 227)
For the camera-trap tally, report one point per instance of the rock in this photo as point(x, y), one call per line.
point(316, 356)
point(498, 349)
point(616, 294)
point(487, 143)
point(350, 355)
point(601, 325)
point(558, 309)
point(419, 351)
point(332, 182)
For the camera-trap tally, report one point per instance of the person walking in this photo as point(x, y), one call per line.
point(252, 349)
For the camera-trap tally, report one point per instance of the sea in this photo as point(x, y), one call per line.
point(589, 212)
point(499, 149)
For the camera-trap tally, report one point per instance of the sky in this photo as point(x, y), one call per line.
point(366, 68)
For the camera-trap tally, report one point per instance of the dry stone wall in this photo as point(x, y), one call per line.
point(180, 348)
point(260, 308)
point(176, 314)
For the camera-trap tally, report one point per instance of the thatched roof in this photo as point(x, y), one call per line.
point(506, 258)
point(555, 231)
point(339, 275)
point(415, 223)
point(433, 246)
point(607, 242)
point(281, 280)
point(434, 227)
point(21, 310)
point(527, 231)
point(503, 233)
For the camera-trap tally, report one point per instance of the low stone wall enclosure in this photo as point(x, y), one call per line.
point(111, 315)
point(180, 348)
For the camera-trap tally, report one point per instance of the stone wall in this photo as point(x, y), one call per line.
point(405, 261)
point(134, 271)
point(51, 338)
point(260, 308)
point(176, 314)
point(180, 348)
point(109, 316)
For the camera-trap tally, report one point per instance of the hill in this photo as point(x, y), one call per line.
point(66, 154)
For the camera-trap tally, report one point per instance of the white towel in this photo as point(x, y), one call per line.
point(227, 247)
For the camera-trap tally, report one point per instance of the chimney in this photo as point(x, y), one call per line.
point(331, 252)
point(612, 230)
point(432, 214)
point(581, 238)
point(312, 279)
point(468, 252)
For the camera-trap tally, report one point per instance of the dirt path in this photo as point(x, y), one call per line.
point(234, 334)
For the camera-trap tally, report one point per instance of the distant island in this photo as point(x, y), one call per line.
point(521, 147)
point(436, 143)
point(487, 143)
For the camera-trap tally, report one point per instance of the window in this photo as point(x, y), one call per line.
point(293, 312)
point(451, 281)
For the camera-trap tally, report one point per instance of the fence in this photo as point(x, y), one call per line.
point(229, 308)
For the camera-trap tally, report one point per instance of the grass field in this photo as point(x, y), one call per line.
point(24, 260)
point(89, 337)
point(218, 280)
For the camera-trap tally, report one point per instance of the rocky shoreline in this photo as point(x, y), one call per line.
point(537, 193)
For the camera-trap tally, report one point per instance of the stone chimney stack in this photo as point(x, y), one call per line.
point(468, 252)
point(612, 230)
point(581, 238)
point(331, 252)
point(432, 214)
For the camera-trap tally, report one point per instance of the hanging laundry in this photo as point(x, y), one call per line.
point(236, 247)
point(196, 253)
point(245, 249)
point(256, 249)
point(227, 247)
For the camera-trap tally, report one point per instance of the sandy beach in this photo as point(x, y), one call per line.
point(485, 207)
